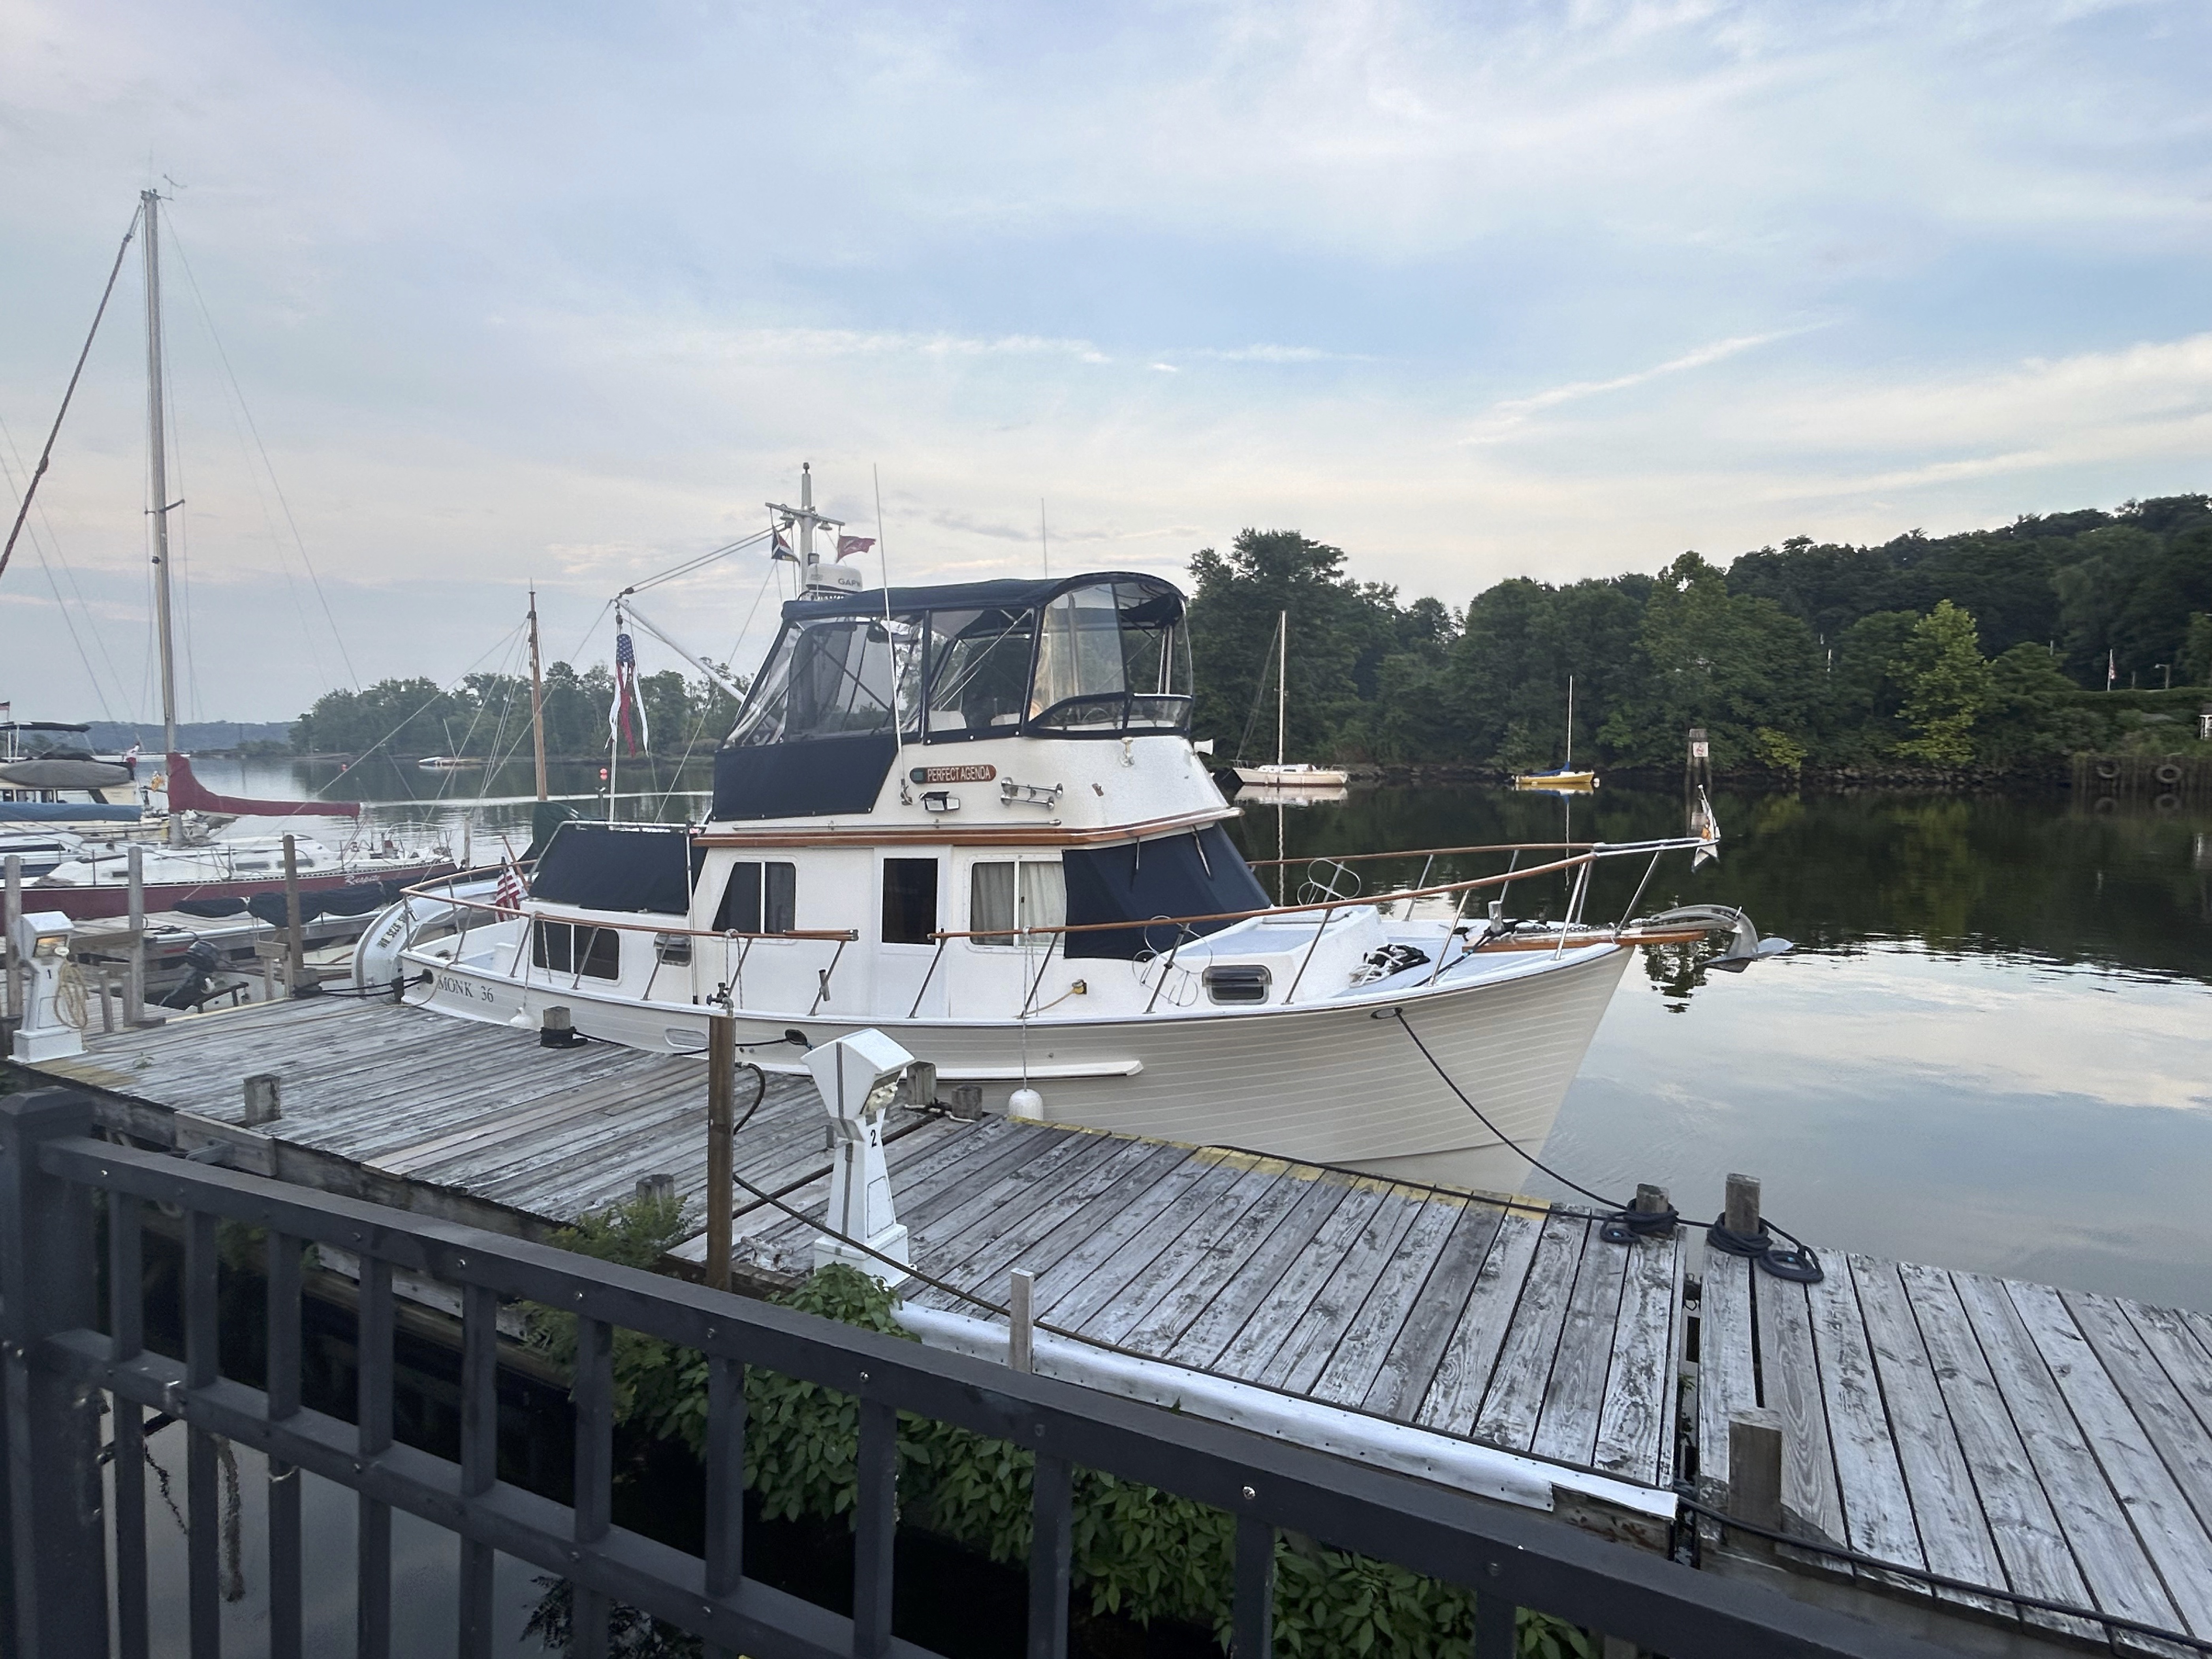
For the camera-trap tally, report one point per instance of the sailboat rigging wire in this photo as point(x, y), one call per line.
point(676, 572)
point(62, 604)
point(707, 704)
point(46, 455)
point(207, 318)
point(409, 719)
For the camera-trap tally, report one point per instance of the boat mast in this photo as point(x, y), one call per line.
point(157, 459)
point(536, 698)
point(1569, 765)
point(807, 520)
point(1282, 682)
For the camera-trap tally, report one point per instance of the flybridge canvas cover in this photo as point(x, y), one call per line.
point(188, 794)
point(1164, 878)
point(605, 867)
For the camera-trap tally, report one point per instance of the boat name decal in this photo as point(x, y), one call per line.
point(953, 774)
point(449, 985)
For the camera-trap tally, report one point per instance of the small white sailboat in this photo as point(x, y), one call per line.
point(971, 816)
point(1291, 777)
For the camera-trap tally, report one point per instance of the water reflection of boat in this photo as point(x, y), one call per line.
point(447, 762)
point(971, 816)
point(1268, 794)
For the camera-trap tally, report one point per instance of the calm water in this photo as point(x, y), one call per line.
point(1991, 1049)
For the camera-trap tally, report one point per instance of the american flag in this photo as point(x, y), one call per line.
point(848, 545)
point(626, 701)
point(509, 896)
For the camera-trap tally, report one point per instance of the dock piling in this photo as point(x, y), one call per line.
point(659, 1185)
point(264, 1099)
point(134, 984)
point(1021, 1320)
point(1740, 1213)
point(14, 913)
point(1755, 1473)
point(295, 944)
point(721, 1114)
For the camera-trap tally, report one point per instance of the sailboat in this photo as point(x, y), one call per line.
point(186, 866)
point(971, 816)
point(1564, 777)
point(1300, 775)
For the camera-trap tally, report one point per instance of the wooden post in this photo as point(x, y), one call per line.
point(918, 1087)
point(1755, 1474)
point(722, 1119)
point(1021, 1320)
point(659, 1185)
point(134, 984)
point(1649, 1199)
point(296, 958)
point(1741, 1214)
point(264, 1099)
point(15, 914)
point(106, 1000)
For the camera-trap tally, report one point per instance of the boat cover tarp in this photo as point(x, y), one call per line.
point(607, 866)
point(1166, 877)
point(64, 772)
point(65, 812)
point(818, 777)
point(188, 794)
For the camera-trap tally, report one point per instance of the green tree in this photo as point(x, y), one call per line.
point(1731, 665)
point(1946, 684)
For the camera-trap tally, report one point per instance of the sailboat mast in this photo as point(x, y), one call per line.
point(157, 459)
point(536, 698)
point(1568, 764)
point(1282, 681)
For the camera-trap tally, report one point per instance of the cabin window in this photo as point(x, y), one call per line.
point(556, 947)
point(1000, 898)
point(909, 901)
point(979, 668)
point(760, 898)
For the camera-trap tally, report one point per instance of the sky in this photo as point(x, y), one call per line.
point(459, 297)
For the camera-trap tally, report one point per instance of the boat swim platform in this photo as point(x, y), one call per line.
point(2012, 1435)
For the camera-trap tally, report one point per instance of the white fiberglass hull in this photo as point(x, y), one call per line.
point(1334, 1082)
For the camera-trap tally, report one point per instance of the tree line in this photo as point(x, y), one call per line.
point(488, 715)
point(1978, 650)
point(1988, 649)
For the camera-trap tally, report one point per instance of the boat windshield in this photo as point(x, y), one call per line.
point(1112, 657)
point(1099, 657)
point(838, 676)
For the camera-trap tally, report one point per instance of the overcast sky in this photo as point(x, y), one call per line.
point(1470, 290)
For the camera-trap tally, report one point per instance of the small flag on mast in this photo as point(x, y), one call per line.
point(508, 898)
point(782, 549)
point(848, 545)
point(627, 702)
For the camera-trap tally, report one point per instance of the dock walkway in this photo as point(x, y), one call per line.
point(2009, 1435)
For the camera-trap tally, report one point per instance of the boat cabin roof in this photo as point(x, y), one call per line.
point(1007, 593)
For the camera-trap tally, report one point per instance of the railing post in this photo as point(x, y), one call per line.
point(479, 1459)
point(58, 1558)
point(1252, 1613)
point(1051, 1536)
point(373, 1413)
point(725, 1480)
point(721, 1118)
point(874, 1529)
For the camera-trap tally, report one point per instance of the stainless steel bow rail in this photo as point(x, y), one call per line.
point(59, 1365)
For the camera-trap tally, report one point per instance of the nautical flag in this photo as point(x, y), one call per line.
point(847, 545)
point(1707, 829)
point(783, 550)
point(626, 701)
point(2111, 669)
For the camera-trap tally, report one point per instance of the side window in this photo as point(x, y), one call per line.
point(997, 900)
point(909, 901)
point(779, 898)
point(761, 898)
point(599, 952)
point(550, 944)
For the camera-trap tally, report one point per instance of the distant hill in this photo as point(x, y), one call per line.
point(112, 736)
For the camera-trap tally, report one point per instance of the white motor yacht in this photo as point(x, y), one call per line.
point(972, 817)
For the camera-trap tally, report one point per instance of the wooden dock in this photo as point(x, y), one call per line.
point(2011, 1436)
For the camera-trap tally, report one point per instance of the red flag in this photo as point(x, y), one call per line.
point(847, 545)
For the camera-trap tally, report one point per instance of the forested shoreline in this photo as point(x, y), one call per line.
point(1985, 652)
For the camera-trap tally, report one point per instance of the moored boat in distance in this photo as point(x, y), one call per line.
point(971, 816)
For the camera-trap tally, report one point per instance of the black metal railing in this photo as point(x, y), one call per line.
point(58, 1365)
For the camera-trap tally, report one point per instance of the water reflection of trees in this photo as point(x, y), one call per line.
point(1973, 874)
